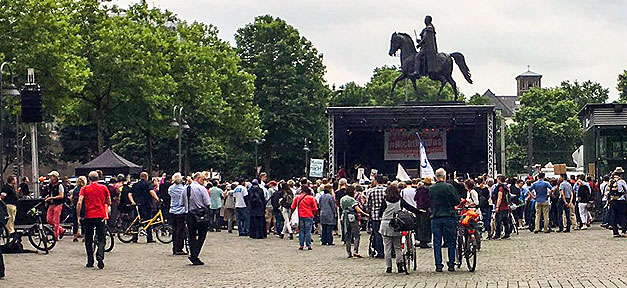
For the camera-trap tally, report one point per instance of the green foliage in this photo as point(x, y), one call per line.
point(622, 86)
point(586, 92)
point(377, 92)
point(289, 90)
point(111, 77)
point(556, 129)
point(478, 99)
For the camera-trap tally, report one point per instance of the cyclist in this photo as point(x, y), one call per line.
point(142, 194)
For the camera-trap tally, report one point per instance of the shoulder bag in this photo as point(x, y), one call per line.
point(200, 215)
point(294, 219)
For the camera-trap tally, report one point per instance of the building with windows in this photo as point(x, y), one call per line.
point(604, 137)
point(508, 105)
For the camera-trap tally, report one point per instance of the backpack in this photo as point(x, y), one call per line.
point(402, 221)
point(613, 186)
point(483, 199)
point(507, 198)
point(256, 198)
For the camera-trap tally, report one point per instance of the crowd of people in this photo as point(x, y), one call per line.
point(260, 207)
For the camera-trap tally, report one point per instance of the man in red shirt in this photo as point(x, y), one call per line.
point(95, 197)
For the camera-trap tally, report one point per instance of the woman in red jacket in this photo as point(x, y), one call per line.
point(307, 208)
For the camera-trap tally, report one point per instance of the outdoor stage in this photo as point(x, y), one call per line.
point(457, 137)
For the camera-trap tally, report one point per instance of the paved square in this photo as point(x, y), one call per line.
point(580, 259)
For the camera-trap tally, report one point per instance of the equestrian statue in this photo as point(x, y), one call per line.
point(427, 62)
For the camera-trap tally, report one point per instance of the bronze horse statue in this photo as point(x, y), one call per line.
point(443, 70)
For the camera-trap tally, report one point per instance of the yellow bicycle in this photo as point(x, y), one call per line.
point(138, 227)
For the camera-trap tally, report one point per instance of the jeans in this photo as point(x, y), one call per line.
point(178, 226)
point(287, 227)
point(563, 209)
point(327, 234)
point(618, 208)
point(214, 216)
point(278, 222)
point(243, 221)
point(502, 219)
point(553, 212)
point(392, 244)
point(53, 217)
point(542, 209)
point(98, 225)
point(197, 232)
point(487, 217)
point(304, 231)
point(607, 213)
point(444, 228)
point(378, 239)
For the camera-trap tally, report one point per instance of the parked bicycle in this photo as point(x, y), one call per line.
point(138, 226)
point(466, 239)
point(40, 235)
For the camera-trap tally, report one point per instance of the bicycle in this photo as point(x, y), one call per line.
point(40, 235)
point(138, 226)
point(408, 250)
point(466, 239)
point(109, 240)
point(512, 219)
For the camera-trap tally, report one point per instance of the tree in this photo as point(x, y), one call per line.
point(556, 130)
point(377, 92)
point(586, 92)
point(289, 90)
point(622, 86)
point(478, 99)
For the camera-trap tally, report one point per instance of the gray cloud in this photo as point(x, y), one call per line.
point(563, 40)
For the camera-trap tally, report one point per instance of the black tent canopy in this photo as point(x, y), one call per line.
point(109, 163)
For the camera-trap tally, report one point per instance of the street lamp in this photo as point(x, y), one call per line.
point(257, 143)
point(306, 149)
point(9, 90)
point(180, 123)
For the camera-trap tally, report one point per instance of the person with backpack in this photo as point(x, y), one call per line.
point(257, 207)
point(287, 197)
point(502, 199)
point(618, 203)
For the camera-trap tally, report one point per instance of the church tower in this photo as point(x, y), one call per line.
point(526, 81)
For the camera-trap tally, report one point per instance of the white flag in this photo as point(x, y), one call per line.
point(425, 167)
point(401, 174)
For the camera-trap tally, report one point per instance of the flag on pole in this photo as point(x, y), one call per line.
point(425, 167)
point(401, 174)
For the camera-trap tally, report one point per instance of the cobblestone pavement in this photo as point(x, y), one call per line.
point(589, 258)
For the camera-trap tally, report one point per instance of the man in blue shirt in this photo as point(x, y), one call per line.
point(564, 204)
point(540, 191)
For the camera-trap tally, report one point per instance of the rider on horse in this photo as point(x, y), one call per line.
point(426, 57)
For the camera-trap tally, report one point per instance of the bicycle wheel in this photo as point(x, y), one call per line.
point(109, 241)
point(413, 257)
point(164, 233)
point(127, 233)
point(406, 255)
point(514, 225)
point(41, 237)
point(471, 253)
point(459, 251)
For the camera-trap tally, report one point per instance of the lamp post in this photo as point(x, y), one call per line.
point(257, 143)
point(180, 123)
point(9, 90)
point(306, 149)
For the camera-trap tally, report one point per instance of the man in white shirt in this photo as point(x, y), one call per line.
point(241, 209)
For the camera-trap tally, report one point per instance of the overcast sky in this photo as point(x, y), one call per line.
point(562, 40)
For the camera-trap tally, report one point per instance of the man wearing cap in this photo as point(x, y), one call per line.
point(55, 198)
point(618, 204)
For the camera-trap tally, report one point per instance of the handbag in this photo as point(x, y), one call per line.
point(294, 219)
point(200, 215)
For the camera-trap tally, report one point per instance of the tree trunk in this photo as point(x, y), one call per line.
point(100, 128)
point(267, 160)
